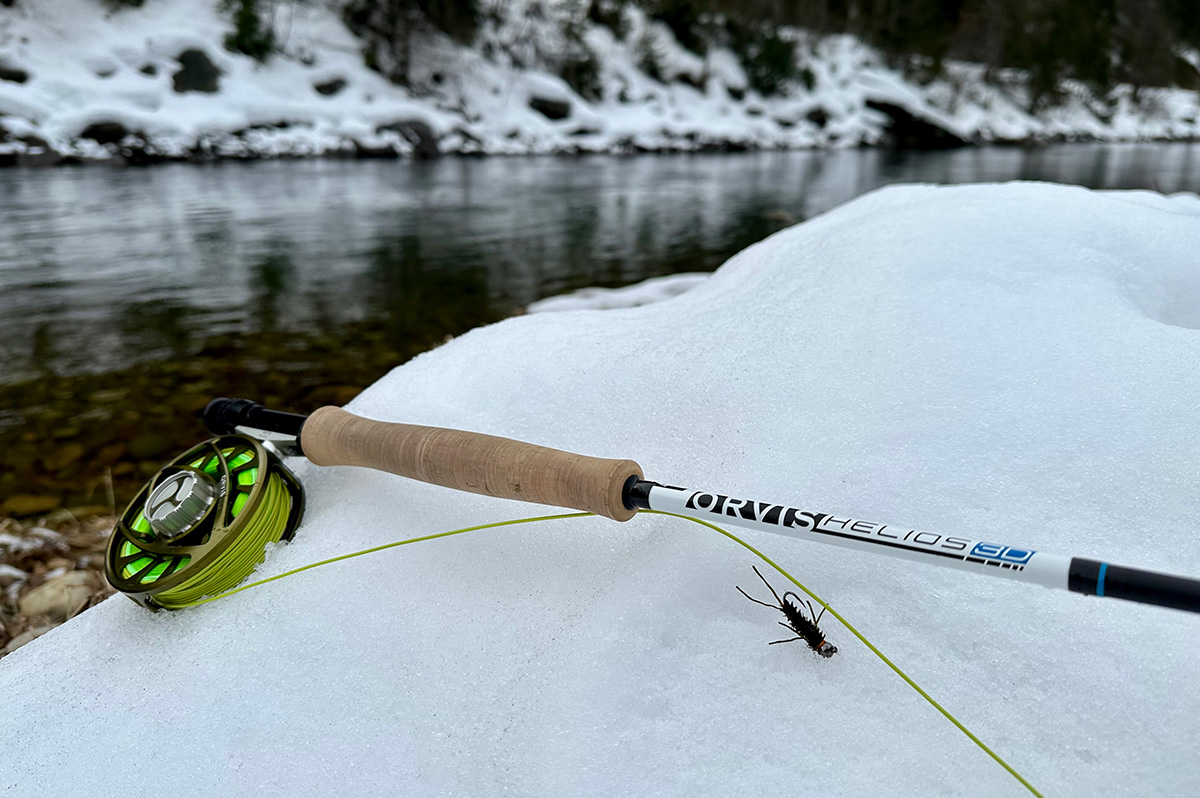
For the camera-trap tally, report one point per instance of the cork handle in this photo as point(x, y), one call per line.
point(470, 461)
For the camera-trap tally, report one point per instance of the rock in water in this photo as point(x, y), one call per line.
point(26, 504)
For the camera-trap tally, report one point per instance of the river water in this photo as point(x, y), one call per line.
point(103, 268)
point(128, 296)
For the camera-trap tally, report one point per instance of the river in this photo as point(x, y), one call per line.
point(128, 296)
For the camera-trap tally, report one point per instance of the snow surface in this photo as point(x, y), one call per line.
point(1016, 360)
point(647, 292)
point(85, 65)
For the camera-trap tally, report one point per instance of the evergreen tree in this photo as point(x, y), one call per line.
point(251, 35)
point(388, 27)
point(1098, 42)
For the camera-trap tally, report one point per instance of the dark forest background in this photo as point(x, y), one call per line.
point(1101, 43)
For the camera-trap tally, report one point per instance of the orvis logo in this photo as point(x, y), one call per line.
point(994, 551)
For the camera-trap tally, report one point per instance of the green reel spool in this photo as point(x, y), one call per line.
point(201, 525)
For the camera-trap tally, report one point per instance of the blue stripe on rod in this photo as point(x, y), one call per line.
point(1100, 579)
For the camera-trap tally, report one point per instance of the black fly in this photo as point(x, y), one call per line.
point(805, 629)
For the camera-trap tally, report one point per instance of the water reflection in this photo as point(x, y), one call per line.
point(105, 268)
point(271, 277)
point(409, 286)
point(162, 326)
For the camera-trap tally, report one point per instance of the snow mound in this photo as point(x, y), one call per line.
point(986, 359)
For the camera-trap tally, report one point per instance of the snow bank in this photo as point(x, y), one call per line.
point(1010, 359)
point(74, 64)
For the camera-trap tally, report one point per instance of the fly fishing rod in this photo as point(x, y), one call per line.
point(201, 524)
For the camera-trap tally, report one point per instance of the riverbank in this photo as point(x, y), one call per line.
point(82, 83)
point(51, 569)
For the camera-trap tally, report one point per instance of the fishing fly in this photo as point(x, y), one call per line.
point(807, 630)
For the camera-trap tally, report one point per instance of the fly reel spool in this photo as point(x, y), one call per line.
point(202, 524)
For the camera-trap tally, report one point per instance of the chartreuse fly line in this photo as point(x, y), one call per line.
point(247, 550)
point(495, 525)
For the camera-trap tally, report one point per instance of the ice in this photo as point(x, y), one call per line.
point(984, 359)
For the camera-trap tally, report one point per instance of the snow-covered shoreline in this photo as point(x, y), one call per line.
point(81, 82)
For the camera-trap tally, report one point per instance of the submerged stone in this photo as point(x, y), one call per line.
point(28, 504)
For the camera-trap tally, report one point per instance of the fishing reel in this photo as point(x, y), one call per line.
point(203, 522)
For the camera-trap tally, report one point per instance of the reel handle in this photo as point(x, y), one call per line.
point(472, 462)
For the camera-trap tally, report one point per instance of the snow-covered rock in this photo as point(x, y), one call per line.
point(1016, 360)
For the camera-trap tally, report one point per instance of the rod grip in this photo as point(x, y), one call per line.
point(471, 461)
